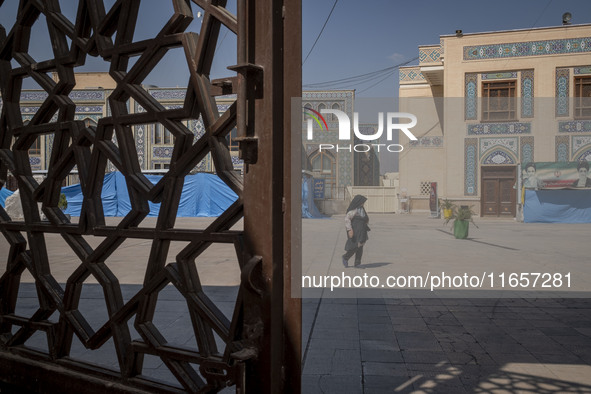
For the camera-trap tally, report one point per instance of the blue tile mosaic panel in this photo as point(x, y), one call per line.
point(471, 96)
point(582, 70)
point(528, 48)
point(577, 126)
point(470, 167)
point(527, 93)
point(562, 91)
point(162, 151)
point(410, 75)
point(498, 157)
point(527, 149)
point(499, 128)
point(562, 148)
point(168, 94)
point(499, 75)
point(507, 144)
point(429, 55)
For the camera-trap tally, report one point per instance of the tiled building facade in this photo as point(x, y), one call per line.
point(471, 144)
point(154, 143)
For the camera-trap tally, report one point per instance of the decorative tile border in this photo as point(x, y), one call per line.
point(430, 55)
point(29, 110)
point(95, 109)
point(34, 96)
point(577, 126)
point(427, 142)
point(75, 95)
point(499, 157)
point(582, 70)
point(528, 48)
point(140, 109)
point(487, 144)
point(162, 151)
point(168, 94)
point(316, 95)
point(562, 91)
point(527, 93)
point(499, 75)
point(89, 109)
point(470, 167)
point(527, 149)
point(87, 95)
point(470, 96)
point(140, 145)
point(562, 148)
point(499, 128)
point(410, 75)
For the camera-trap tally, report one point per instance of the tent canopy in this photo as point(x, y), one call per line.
point(203, 195)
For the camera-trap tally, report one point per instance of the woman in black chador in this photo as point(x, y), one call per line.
point(356, 221)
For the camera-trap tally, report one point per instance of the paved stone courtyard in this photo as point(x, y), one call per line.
point(357, 342)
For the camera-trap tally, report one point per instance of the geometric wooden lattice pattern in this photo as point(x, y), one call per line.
point(109, 35)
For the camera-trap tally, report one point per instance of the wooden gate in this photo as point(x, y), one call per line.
point(261, 340)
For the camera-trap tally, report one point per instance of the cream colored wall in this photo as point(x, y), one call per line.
point(419, 164)
point(94, 80)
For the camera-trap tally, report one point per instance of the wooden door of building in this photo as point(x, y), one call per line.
point(498, 195)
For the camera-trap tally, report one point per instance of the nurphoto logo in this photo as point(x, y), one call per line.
point(345, 129)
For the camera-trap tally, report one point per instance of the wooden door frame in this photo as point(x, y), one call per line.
point(484, 177)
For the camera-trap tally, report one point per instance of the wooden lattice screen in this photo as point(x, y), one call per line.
point(89, 149)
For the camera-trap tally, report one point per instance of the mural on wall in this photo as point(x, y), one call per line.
point(551, 175)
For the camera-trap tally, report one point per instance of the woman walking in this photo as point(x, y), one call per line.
point(356, 221)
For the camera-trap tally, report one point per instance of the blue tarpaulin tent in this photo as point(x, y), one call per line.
point(203, 195)
point(557, 206)
point(309, 208)
point(4, 194)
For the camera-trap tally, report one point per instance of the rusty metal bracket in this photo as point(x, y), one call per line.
point(250, 81)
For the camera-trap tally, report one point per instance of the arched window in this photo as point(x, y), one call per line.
point(324, 166)
point(333, 117)
point(307, 106)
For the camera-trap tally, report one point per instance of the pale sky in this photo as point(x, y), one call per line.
point(359, 38)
